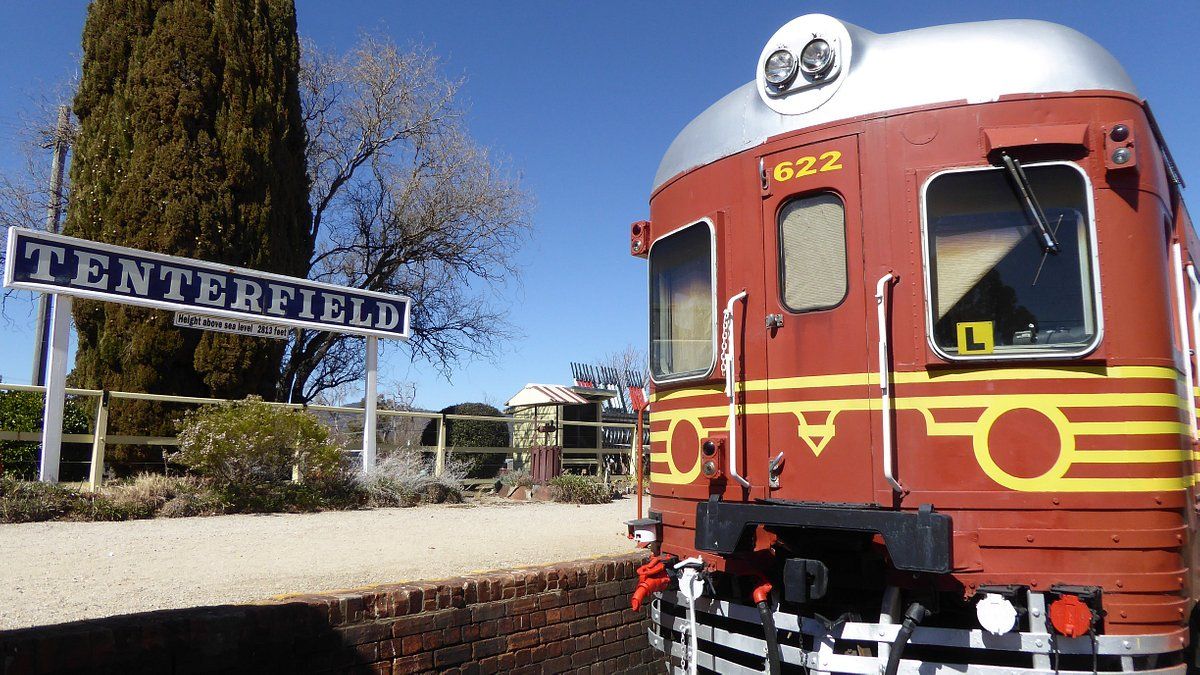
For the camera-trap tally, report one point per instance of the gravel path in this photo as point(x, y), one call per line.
point(57, 572)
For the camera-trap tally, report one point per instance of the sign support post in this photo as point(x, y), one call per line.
point(56, 384)
point(369, 441)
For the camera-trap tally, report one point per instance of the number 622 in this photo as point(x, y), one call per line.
point(804, 166)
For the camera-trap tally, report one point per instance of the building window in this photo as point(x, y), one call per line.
point(682, 304)
point(812, 252)
point(996, 288)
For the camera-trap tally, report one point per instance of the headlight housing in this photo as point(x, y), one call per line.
point(780, 68)
point(816, 59)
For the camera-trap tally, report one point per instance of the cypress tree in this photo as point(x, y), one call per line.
point(191, 143)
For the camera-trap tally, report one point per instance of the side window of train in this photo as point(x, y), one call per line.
point(812, 252)
point(682, 304)
point(997, 289)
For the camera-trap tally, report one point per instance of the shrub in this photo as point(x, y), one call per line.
point(577, 489)
point(26, 502)
point(518, 478)
point(406, 479)
point(248, 449)
point(473, 434)
point(22, 411)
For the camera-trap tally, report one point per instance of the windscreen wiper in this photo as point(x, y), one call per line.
point(1024, 192)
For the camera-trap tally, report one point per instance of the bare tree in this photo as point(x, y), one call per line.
point(25, 195)
point(395, 431)
point(630, 359)
point(404, 201)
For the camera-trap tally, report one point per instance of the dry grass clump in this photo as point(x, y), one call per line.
point(515, 479)
point(145, 496)
point(406, 479)
point(149, 494)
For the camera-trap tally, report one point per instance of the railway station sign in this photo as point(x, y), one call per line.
point(55, 263)
point(202, 295)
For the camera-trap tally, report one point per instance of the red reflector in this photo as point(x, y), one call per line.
point(1070, 616)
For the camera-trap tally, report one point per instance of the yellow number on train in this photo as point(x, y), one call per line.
point(831, 163)
point(785, 171)
point(807, 163)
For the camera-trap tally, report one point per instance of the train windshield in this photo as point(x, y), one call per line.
point(681, 304)
point(995, 288)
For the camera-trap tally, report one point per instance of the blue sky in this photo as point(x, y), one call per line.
point(584, 98)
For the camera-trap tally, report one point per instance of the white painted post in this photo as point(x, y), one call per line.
point(369, 441)
point(56, 384)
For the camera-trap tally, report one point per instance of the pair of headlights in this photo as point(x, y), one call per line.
point(815, 60)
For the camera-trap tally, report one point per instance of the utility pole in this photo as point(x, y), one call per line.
point(54, 210)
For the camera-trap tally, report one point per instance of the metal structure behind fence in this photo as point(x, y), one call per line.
point(99, 438)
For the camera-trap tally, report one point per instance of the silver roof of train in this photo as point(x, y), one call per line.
point(978, 62)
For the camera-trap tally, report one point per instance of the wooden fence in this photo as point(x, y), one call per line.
point(99, 438)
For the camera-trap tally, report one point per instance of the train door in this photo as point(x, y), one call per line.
point(817, 387)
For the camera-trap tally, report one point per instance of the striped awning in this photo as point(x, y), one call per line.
point(545, 394)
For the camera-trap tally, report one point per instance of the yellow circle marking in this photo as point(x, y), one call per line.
point(677, 477)
point(1046, 481)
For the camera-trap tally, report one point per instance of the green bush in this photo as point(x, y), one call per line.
point(473, 434)
point(247, 450)
point(22, 411)
point(577, 489)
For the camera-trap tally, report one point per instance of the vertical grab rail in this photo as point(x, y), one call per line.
point(1184, 337)
point(728, 363)
point(1195, 284)
point(885, 382)
point(1191, 272)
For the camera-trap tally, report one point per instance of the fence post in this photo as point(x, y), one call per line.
point(96, 472)
point(439, 459)
point(558, 424)
point(601, 470)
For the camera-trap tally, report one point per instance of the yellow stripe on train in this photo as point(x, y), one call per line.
point(921, 377)
point(817, 436)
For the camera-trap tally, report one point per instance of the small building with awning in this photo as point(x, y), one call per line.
point(563, 416)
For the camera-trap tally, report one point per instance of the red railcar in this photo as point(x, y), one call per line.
point(921, 315)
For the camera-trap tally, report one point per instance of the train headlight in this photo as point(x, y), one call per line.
point(816, 59)
point(996, 614)
point(780, 68)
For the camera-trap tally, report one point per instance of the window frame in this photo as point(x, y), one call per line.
point(1093, 257)
point(779, 260)
point(712, 259)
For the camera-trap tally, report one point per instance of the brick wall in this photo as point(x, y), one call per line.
point(570, 617)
